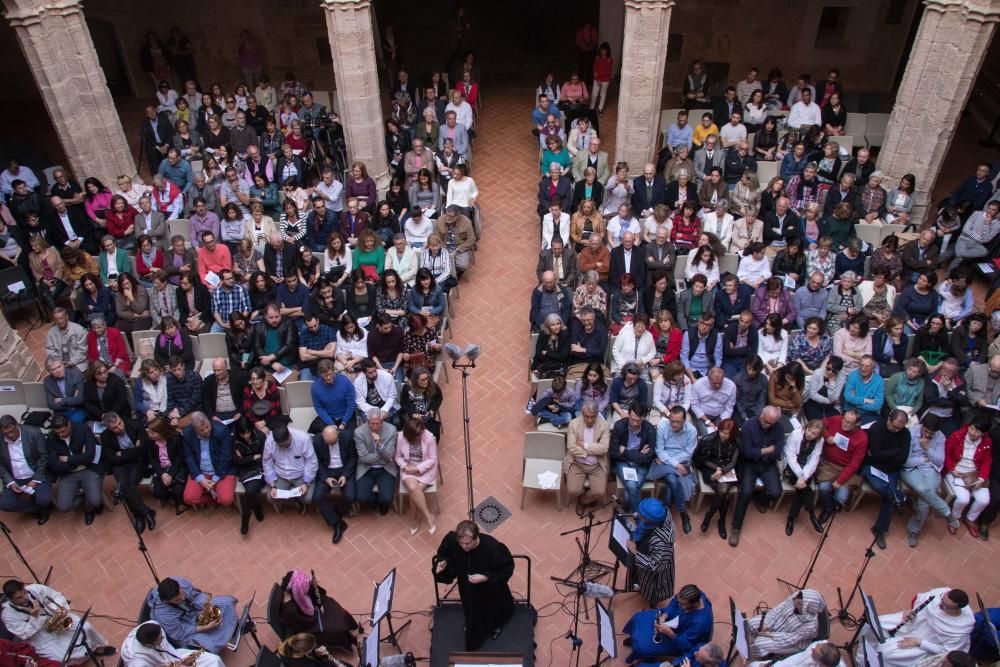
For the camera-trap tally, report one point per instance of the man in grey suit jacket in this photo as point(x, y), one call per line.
point(64, 390)
point(151, 223)
point(592, 157)
point(708, 156)
point(26, 485)
point(455, 131)
point(376, 444)
point(546, 262)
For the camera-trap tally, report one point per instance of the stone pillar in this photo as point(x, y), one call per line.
point(644, 54)
point(16, 360)
point(56, 43)
point(349, 26)
point(947, 53)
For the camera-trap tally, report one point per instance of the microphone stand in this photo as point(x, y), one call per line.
point(466, 433)
point(815, 557)
point(843, 614)
point(20, 555)
point(142, 544)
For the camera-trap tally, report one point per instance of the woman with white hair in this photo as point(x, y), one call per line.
point(718, 221)
point(844, 302)
point(873, 199)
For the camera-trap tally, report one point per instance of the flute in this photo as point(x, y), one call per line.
point(909, 616)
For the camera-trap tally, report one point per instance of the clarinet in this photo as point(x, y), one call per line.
point(317, 600)
point(911, 615)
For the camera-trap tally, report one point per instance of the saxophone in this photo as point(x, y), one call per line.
point(209, 612)
point(59, 620)
point(187, 661)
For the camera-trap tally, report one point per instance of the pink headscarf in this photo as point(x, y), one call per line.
point(299, 585)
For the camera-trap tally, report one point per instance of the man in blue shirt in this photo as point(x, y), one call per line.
point(676, 440)
point(542, 112)
point(701, 347)
point(864, 390)
point(333, 398)
point(176, 170)
point(292, 297)
point(762, 441)
point(680, 133)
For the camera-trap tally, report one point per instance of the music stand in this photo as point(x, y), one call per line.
point(992, 629)
point(382, 608)
point(244, 625)
point(80, 639)
point(605, 634)
point(870, 617)
point(741, 634)
point(873, 657)
point(372, 642)
point(618, 545)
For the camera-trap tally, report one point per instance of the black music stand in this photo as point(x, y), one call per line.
point(80, 639)
point(619, 530)
point(371, 652)
point(869, 617)
point(382, 608)
point(740, 641)
point(244, 625)
point(605, 634)
point(873, 656)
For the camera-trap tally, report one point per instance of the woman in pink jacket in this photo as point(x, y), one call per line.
point(416, 456)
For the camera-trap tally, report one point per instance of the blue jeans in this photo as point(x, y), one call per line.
point(888, 492)
point(673, 488)
point(386, 482)
point(217, 328)
point(827, 494)
point(633, 490)
point(306, 374)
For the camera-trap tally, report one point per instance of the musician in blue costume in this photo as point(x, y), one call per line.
point(983, 648)
point(650, 634)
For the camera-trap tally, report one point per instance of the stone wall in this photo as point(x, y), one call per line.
point(16, 360)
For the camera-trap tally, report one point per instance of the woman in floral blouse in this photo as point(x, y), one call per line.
point(810, 346)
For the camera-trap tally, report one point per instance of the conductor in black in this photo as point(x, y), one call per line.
point(483, 566)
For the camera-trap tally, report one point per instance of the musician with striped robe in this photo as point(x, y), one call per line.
point(789, 627)
point(652, 548)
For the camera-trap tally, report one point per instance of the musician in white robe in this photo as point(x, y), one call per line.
point(817, 654)
point(950, 659)
point(941, 626)
point(789, 627)
point(147, 646)
point(27, 609)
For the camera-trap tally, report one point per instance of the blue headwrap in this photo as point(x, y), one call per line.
point(651, 515)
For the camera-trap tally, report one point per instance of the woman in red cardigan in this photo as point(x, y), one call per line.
point(668, 335)
point(117, 356)
point(148, 259)
point(968, 456)
point(121, 222)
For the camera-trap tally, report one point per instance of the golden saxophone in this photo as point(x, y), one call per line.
point(209, 612)
point(59, 619)
point(187, 661)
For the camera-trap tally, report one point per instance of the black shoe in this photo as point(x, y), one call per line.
point(760, 504)
point(99, 510)
point(824, 516)
point(627, 641)
point(151, 519)
point(43, 516)
point(879, 538)
point(140, 524)
point(258, 512)
point(88, 517)
point(706, 522)
point(383, 509)
point(816, 524)
point(685, 523)
point(244, 525)
point(984, 532)
point(789, 526)
point(722, 529)
point(338, 531)
point(105, 651)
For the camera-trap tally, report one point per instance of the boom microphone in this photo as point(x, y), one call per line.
point(399, 660)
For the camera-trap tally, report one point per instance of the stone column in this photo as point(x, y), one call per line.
point(349, 26)
point(56, 43)
point(644, 54)
point(947, 53)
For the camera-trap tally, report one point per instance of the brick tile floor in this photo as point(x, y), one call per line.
point(99, 565)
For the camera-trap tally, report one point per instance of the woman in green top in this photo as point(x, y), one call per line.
point(906, 387)
point(369, 256)
point(555, 152)
point(838, 225)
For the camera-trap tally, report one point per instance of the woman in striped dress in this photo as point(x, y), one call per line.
point(652, 547)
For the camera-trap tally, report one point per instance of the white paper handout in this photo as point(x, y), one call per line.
point(548, 479)
point(629, 474)
point(213, 279)
point(281, 376)
point(842, 441)
point(794, 421)
point(17, 287)
point(879, 474)
point(285, 494)
point(729, 477)
point(789, 283)
point(985, 268)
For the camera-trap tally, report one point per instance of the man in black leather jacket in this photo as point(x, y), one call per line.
point(281, 352)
